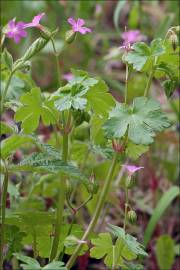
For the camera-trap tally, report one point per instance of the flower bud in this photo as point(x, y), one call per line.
point(173, 39)
point(70, 36)
point(132, 217)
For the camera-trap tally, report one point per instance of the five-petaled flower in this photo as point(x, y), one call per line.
point(35, 21)
point(131, 169)
point(16, 30)
point(77, 26)
point(132, 36)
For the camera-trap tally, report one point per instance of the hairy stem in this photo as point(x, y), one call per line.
point(148, 85)
point(60, 204)
point(126, 83)
point(3, 214)
point(4, 94)
point(100, 204)
point(126, 207)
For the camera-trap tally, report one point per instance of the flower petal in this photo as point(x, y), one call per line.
point(37, 18)
point(80, 22)
point(72, 21)
point(23, 33)
point(17, 38)
point(84, 30)
point(11, 23)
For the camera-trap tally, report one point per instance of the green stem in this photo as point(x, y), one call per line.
point(3, 214)
point(100, 204)
point(34, 244)
point(126, 84)
point(60, 204)
point(148, 85)
point(57, 61)
point(4, 94)
point(126, 207)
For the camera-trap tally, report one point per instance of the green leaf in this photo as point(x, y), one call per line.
point(13, 237)
point(30, 263)
point(134, 151)
point(84, 90)
point(162, 205)
point(105, 248)
point(33, 107)
point(7, 59)
point(11, 144)
point(169, 87)
point(100, 100)
point(41, 162)
point(141, 53)
point(131, 242)
point(6, 129)
point(20, 83)
point(165, 252)
point(55, 266)
point(140, 121)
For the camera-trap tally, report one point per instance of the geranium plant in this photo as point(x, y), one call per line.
point(88, 125)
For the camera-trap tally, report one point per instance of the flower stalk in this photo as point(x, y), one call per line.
point(60, 204)
point(100, 204)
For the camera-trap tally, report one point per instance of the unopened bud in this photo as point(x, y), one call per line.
point(117, 147)
point(132, 217)
point(129, 182)
point(70, 36)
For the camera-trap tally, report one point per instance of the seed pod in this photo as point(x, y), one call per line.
point(70, 36)
point(129, 183)
point(132, 217)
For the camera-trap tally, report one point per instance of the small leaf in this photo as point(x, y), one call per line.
point(7, 59)
point(131, 242)
point(141, 53)
point(33, 107)
point(103, 247)
point(165, 252)
point(30, 262)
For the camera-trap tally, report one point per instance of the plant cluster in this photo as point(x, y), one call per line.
point(88, 125)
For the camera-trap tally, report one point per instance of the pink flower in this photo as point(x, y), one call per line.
point(132, 36)
point(131, 169)
point(77, 26)
point(16, 30)
point(68, 76)
point(35, 21)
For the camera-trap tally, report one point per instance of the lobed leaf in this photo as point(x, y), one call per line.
point(140, 121)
